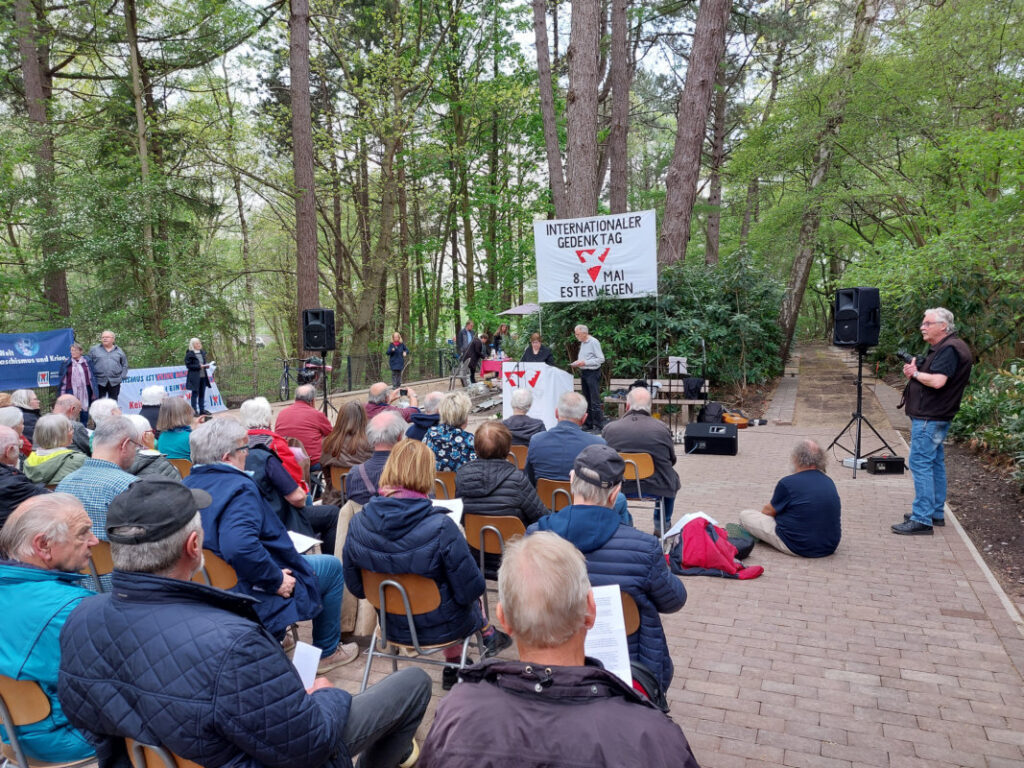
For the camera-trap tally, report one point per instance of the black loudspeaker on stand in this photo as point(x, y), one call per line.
point(318, 329)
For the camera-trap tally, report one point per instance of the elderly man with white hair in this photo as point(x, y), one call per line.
point(589, 361)
point(554, 706)
point(14, 486)
point(427, 416)
point(111, 366)
point(149, 462)
point(552, 453)
point(69, 406)
point(521, 426)
point(383, 432)
point(102, 409)
point(639, 432)
point(381, 397)
point(46, 541)
point(305, 423)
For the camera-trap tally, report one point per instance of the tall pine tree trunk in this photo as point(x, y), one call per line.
point(621, 72)
point(717, 160)
point(581, 108)
point(867, 12)
point(547, 110)
point(691, 119)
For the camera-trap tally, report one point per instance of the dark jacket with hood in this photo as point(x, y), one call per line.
point(152, 463)
point(240, 527)
point(618, 554)
point(421, 422)
point(190, 667)
point(556, 717)
point(410, 535)
point(29, 416)
point(14, 489)
point(496, 487)
point(523, 427)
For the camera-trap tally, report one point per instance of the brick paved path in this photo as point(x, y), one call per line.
point(896, 651)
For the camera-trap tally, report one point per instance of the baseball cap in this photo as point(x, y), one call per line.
point(600, 465)
point(159, 506)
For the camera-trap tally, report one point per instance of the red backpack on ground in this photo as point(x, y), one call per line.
point(703, 549)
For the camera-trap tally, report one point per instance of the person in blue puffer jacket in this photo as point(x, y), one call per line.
point(619, 554)
point(401, 531)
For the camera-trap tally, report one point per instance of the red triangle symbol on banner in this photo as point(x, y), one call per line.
point(579, 254)
point(604, 255)
point(594, 272)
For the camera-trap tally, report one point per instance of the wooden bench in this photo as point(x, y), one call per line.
point(671, 393)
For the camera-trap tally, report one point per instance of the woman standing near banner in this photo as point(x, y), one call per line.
point(537, 352)
point(76, 377)
point(197, 380)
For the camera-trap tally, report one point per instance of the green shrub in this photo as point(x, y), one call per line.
point(992, 413)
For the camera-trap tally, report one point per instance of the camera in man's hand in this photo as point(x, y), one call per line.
point(908, 358)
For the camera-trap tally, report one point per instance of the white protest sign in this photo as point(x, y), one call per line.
point(172, 379)
point(608, 256)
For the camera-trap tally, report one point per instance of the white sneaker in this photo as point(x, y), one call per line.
point(344, 654)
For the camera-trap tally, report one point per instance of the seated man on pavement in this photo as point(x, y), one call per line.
point(149, 461)
point(241, 528)
point(14, 486)
point(619, 554)
point(383, 432)
point(51, 459)
point(554, 707)
point(71, 407)
point(47, 541)
point(224, 693)
point(492, 485)
point(401, 531)
point(380, 398)
point(639, 432)
point(802, 518)
point(285, 494)
point(303, 421)
point(104, 474)
point(427, 416)
point(521, 426)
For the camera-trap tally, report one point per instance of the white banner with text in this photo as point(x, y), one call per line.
point(172, 379)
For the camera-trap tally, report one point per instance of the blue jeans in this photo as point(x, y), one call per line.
point(928, 465)
point(331, 582)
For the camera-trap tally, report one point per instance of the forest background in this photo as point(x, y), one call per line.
point(210, 168)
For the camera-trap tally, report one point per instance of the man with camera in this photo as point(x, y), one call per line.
point(932, 398)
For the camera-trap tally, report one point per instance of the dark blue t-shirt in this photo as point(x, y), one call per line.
point(807, 513)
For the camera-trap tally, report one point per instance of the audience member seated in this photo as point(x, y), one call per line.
point(104, 474)
point(346, 446)
point(241, 528)
point(521, 426)
point(14, 486)
point(303, 421)
point(619, 554)
point(492, 485)
point(536, 352)
point(47, 541)
point(803, 517)
point(554, 707)
point(552, 453)
point(174, 425)
point(383, 433)
point(102, 409)
point(224, 693)
point(427, 416)
point(52, 460)
point(149, 461)
point(152, 397)
point(279, 489)
point(451, 443)
point(26, 401)
point(13, 417)
point(257, 415)
point(639, 432)
point(380, 398)
point(69, 407)
point(400, 531)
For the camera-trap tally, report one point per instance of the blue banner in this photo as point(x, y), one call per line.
point(32, 360)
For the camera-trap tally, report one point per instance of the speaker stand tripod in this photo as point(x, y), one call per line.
point(858, 417)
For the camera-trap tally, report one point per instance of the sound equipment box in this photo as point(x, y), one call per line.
point(858, 317)
point(318, 329)
point(885, 465)
point(718, 439)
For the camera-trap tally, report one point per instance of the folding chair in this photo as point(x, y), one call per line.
point(445, 481)
point(554, 494)
point(491, 532)
point(23, 702)
point(412, 595)
point(184, 467)
point(517, 455)
point(640, 466)
point(100, 564)
point(630, 612)
point(149, 756)
point(338, 479)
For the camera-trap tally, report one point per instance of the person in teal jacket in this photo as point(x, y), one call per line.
point(39, 587)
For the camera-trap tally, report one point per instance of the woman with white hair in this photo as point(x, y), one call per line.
point(26, 401)
point(197, 380)
point(451, 443)
point(53, 458)
point(152, 396)
point(12, 417)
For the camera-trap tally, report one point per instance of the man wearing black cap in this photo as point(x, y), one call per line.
point(619, 554)
point(168, 661)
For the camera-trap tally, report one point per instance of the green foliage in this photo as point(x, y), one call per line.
point(992, 413)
